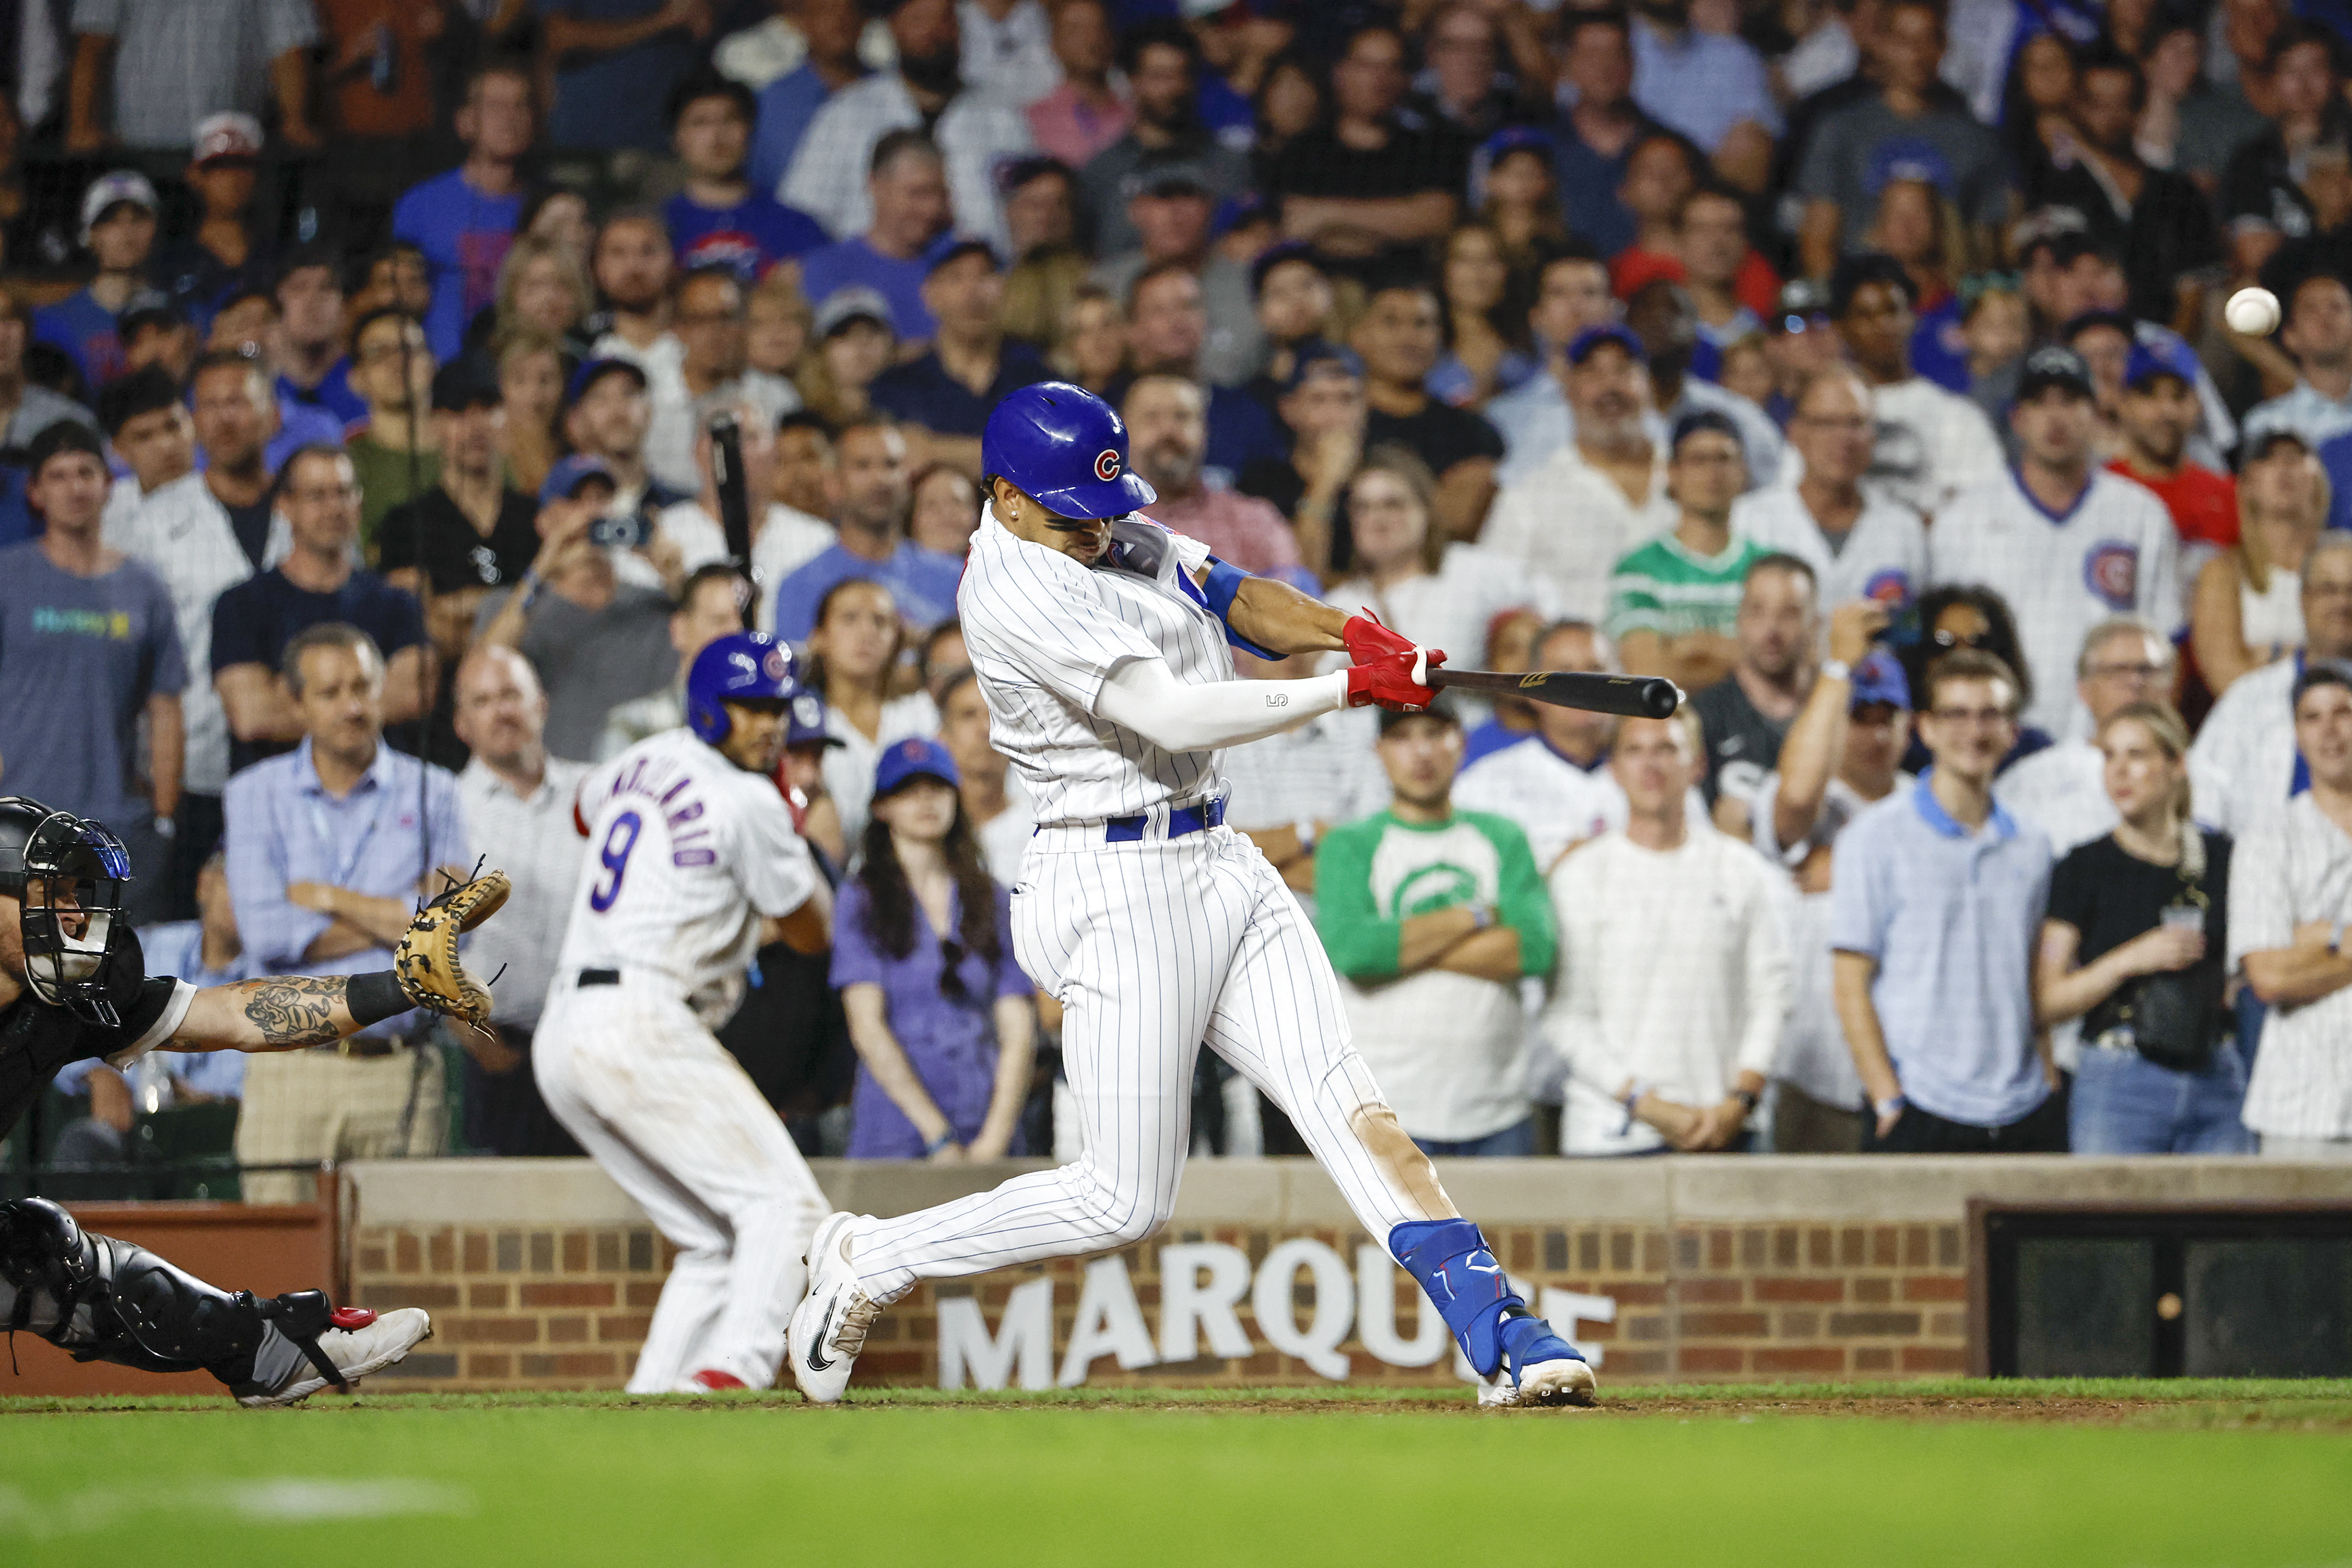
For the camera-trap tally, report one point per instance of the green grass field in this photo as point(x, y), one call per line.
point(1968, 1474)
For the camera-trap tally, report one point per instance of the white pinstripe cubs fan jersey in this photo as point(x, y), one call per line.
point(1045, 632)
point(686, 852)
point(2116, 553)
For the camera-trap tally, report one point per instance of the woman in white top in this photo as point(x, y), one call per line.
point(1440, 595)
point(2248, 607)
point(853, 649)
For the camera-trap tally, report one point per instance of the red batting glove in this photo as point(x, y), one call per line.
point(1388, 680)
point(1368, 638)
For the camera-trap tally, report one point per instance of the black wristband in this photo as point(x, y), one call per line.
point(373, 998)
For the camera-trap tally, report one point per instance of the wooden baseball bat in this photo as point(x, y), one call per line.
point(1635, 696)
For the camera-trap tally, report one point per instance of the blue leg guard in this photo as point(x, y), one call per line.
point(1466, 1281)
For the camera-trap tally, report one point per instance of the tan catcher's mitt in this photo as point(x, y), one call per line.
point(426, 963)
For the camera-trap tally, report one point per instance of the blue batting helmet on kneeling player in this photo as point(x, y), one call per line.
point(1065, 447)
point(743, 667)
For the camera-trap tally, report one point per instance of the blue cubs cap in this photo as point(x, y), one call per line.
point(807, 728)
point(912, 758)
point(1066, 448)
point(1879, 679)
point(2148, 361)
point(595, 371)
point(741, 668)
point(1581, 349)
point(563, 480)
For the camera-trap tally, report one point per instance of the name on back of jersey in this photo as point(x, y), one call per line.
point(663, 781)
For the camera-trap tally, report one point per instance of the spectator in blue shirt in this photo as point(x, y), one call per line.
point(464, 220)
point(721, 219)
point(830, 28)
point(909, 183)
point(614, 62)
point(872, 457)
point(1936, 902)
point(313, 370)
point(118, 225)
point(947, 394)
point(1594, 140)
point(922, 955)
point(1706, 85)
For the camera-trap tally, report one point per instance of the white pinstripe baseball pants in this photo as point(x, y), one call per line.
point(632, 1074)
point(1154, 948)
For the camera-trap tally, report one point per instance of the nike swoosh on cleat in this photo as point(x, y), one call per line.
point(817, 1360)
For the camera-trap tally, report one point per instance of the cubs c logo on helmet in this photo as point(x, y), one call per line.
point(772, 665)
point(1107, 465)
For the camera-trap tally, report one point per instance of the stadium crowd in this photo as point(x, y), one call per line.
point(1859, 364)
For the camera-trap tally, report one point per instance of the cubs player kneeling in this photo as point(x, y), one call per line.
point(74, 984)
point(692, 854)
point(1100, 643)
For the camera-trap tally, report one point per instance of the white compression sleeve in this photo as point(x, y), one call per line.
point(1144, 696)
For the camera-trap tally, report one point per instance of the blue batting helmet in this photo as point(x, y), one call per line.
point(1066, 448)
point(743, 667)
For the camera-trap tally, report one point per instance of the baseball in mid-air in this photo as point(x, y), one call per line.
point(2252, 312)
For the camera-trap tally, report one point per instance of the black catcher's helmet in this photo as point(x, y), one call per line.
point(68, 873)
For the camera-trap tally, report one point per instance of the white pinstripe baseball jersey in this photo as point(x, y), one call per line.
point(2243, 764)
point(1884, 555)
point(686, 852)
point(2296, 868)
point(1555, 802)
point(1046, 631)
point(977, 134)
point(2116, 553)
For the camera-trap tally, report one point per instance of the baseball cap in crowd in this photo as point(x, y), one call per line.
point(1702, 422)
point(563, 481)
point(469, 380)
point(853, 302)
point(1273, 255)
point(1317, 357)
point(149, 308)
point(2163, 357)
point(1172, 175)
point(226, 138)
point(2261, 445)
point(1582, 346)
point(1879, 679)
point(111, 191)
point(595, 371)
point(956, 250)
point(1442, 710)
point(916, 757)
point(2052, 366)
point(2114, 319)
point(1805, 306)
point(806, 723)
point(1244, 210)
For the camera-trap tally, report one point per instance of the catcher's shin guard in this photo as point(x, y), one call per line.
point(110, 1300)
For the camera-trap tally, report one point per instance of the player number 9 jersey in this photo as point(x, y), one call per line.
point(687, 854)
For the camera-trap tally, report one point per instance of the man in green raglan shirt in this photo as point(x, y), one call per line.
point(1432, 916)
point(1673, 600)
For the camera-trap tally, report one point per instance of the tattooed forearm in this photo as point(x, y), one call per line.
point(298, 1009)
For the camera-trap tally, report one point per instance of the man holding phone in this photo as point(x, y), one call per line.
point(595, 639)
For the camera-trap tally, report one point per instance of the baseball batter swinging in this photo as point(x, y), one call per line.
point(1100, 643)
point(73, 984)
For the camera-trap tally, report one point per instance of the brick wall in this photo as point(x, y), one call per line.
point(567, 1307)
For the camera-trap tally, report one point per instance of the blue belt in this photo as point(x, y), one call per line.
point(1182, 820)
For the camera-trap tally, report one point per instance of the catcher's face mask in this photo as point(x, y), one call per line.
point(74, 875)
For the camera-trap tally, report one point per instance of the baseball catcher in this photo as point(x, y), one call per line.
point(73, 984)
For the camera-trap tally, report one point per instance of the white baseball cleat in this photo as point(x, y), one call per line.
point(1566, 1381)
point(828, 1328)
point(359, 1343)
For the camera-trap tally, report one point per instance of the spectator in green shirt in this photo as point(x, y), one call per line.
point(1432, 916)
point(1674, 602)
point(391, 370)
